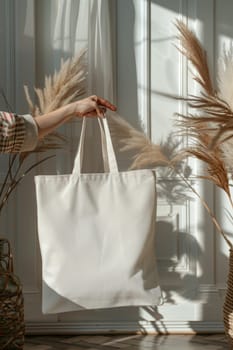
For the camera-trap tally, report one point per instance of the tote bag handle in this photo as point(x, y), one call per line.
point(103, 147)
point(109, 157)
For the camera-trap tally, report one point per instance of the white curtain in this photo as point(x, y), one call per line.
point(86, 23)
point(64, 27)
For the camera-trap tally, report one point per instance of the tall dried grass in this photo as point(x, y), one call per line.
point(209, 127)
point(63, 87)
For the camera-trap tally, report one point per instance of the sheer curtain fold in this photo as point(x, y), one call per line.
point(99, 49)
point(86, 23)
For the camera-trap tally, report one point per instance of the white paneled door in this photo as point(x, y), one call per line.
point(192, 260)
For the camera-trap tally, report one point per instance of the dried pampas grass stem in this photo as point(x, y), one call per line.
point(65, 86)
point(193, 50)
point(130, 139)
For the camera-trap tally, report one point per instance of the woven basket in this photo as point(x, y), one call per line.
point(12, 326)
point(228, 303)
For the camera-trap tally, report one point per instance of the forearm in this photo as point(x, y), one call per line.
point(48, 122)
point(91, 106)
point(21, 133)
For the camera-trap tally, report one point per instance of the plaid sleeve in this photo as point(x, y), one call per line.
point(17, 133)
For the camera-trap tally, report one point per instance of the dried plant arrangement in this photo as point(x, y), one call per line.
point(210, 134)
point(210, 131)
point(63, 87)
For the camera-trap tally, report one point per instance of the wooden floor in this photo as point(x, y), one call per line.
point(127, 342)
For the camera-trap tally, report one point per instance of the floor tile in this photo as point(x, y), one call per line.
point(127, 342)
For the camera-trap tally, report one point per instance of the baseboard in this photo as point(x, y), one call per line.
point(142, 327)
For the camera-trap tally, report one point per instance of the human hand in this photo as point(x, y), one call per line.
point(92, 106)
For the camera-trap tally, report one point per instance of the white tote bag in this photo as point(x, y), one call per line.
point(97, 235)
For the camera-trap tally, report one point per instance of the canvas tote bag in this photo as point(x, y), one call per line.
point(97, 235)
